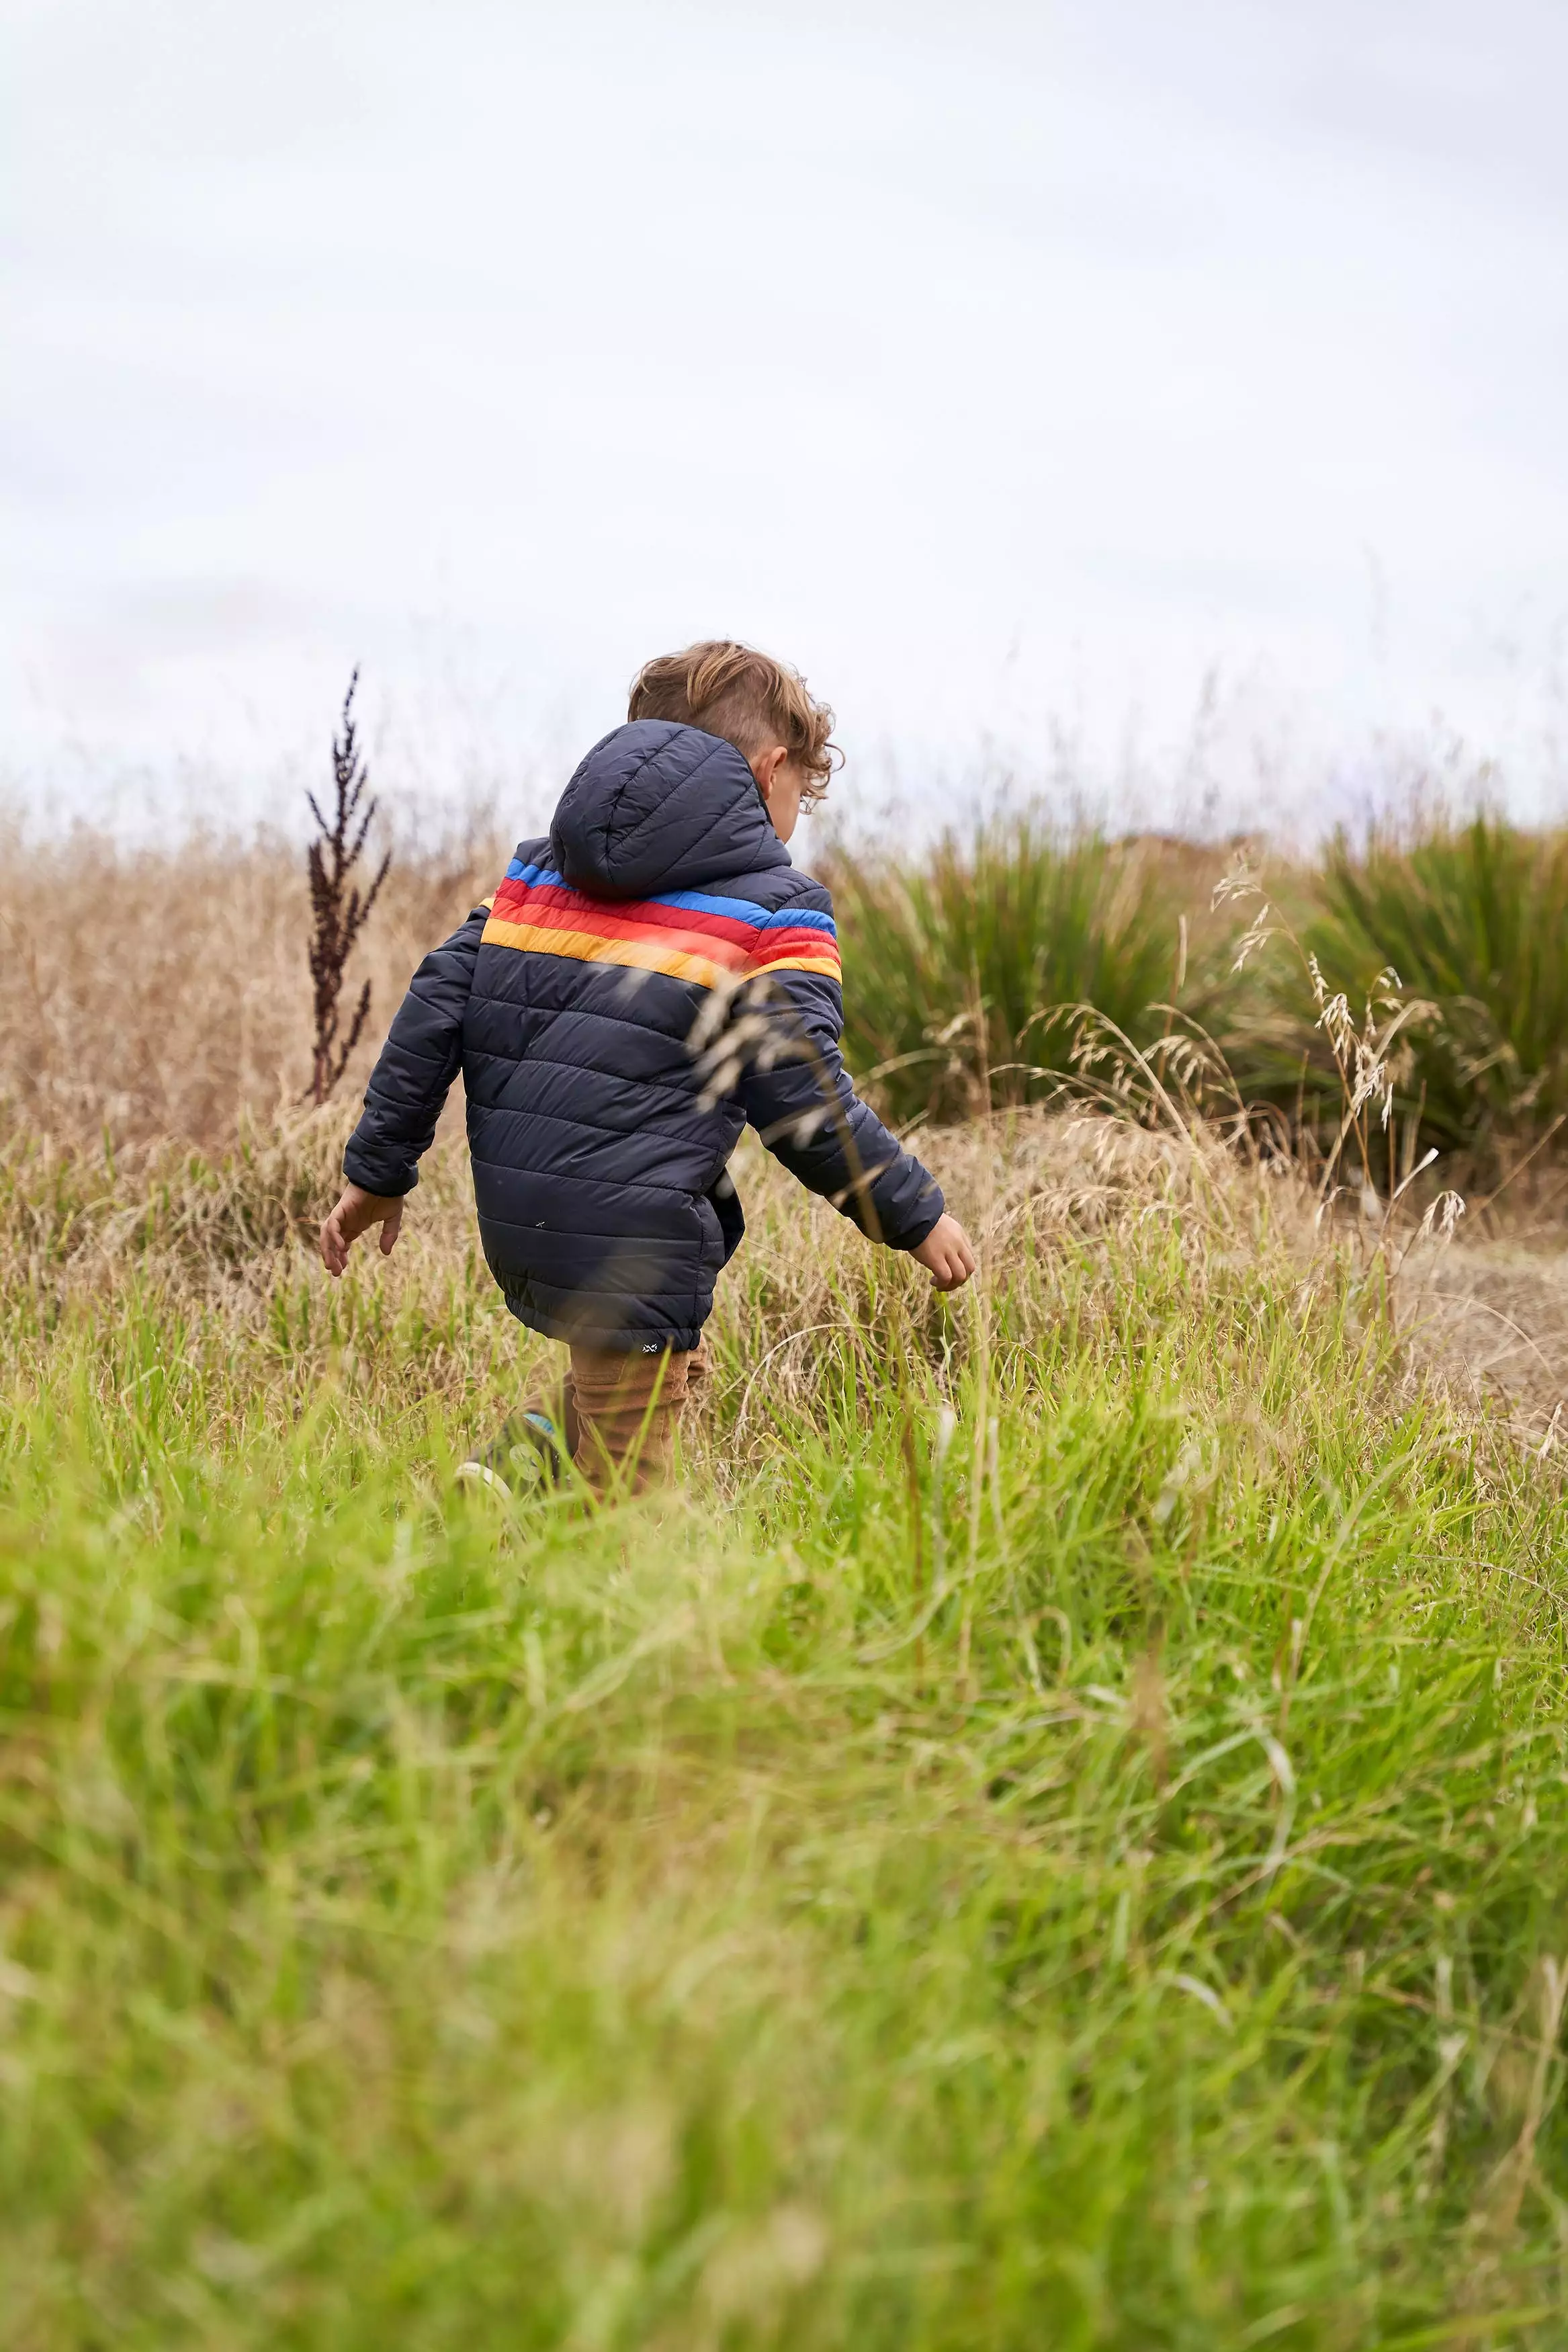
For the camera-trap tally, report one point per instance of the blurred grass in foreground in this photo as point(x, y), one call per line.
point(1058, 1839)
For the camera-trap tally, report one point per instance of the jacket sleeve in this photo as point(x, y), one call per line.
point(796, 1092)
point(418, 1063)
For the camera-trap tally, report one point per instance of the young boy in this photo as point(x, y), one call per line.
point(646, 980)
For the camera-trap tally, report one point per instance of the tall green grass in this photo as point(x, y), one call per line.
point(968, 968)
point(965, 966)
point(1057, 1838)
point(1474, 918)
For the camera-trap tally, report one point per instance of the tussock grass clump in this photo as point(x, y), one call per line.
point(1056, 1837)
point(1474, 918)
point(1449, 940)
point(1014, 957)
point(960, 964)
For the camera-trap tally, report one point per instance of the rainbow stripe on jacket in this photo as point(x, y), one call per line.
point(690, 934)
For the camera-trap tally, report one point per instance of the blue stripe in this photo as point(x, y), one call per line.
point(697, 902)
point(807, 918)
point(742, 910)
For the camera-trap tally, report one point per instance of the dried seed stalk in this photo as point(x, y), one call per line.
point(339, 908)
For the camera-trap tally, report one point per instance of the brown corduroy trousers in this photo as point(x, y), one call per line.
point(622, 1409)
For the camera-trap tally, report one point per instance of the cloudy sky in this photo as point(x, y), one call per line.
point(1166, 394)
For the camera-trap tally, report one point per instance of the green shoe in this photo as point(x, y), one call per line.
point(527, 1455)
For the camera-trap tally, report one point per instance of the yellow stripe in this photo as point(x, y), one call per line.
point(588, 947)
point(641, 955)
point(830, 964)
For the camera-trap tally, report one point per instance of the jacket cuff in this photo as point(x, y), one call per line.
point(387, 1184)
point(925, 1220)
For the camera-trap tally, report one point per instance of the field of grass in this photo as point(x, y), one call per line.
point(1056, 1837)
point(1053, 1836)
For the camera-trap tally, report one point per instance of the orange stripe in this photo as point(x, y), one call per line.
point(656, 952)
point(587, 947)
point(588, 921)
point(830, 964)
point(538, 902)
point(791, 946)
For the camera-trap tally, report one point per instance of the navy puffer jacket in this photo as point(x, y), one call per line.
point(643, 982)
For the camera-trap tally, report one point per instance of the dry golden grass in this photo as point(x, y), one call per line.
point(1494, 1313)
point(153, 994)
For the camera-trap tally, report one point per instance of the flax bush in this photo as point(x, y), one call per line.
point(964, 968)
point(1474, 918)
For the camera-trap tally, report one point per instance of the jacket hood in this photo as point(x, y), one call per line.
point(657, 807)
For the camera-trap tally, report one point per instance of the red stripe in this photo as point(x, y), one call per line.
point(723, 940)
point(795, 943)
point(535, 897)
point(589, 917)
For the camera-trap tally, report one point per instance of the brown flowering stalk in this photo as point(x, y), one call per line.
point(340, 909)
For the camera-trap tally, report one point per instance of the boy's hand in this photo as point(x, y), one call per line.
point(946, 1254)
point(354, 1214)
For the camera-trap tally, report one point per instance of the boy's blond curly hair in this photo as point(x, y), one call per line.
point(749, 698)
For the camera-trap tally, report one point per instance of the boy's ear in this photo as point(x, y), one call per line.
point(765, 766)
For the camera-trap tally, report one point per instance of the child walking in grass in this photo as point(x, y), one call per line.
point(647, 979)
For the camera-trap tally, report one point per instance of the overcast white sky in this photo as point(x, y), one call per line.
point(1012, 368)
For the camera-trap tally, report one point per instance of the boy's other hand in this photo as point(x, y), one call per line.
point(355, 1213)
point(946, 1254)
